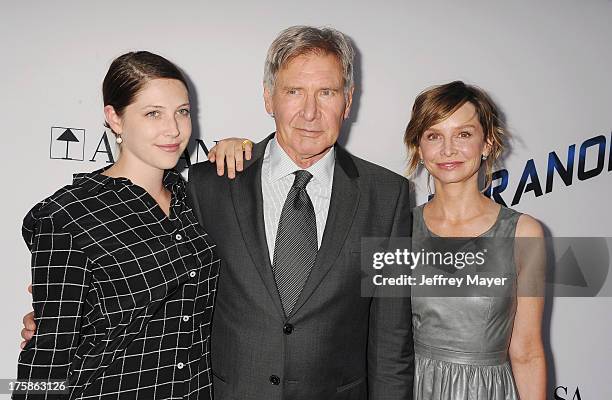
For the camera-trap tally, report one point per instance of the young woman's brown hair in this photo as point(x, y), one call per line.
point(128, 74)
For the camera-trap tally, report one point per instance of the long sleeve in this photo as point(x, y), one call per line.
point(60, 279)
point(390, 342)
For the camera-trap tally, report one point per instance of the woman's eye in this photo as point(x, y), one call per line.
point(153, 114)
point(184, 111)
point(432, 136)
point(465, 134)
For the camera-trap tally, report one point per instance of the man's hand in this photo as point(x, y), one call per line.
point(232, 151)
point(29, 326)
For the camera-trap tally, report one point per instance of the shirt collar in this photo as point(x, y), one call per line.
point(95, 181)
point(282, 165)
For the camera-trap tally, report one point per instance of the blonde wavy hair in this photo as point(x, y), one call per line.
point(437, 103)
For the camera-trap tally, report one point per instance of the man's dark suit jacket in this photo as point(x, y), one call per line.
point(335, 344)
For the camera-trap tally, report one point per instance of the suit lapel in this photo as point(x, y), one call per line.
point(248, 204)
point(342, 208)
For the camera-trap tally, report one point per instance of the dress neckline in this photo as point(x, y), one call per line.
point(433, 234)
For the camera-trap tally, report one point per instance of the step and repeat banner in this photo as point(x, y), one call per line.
point(546, 64)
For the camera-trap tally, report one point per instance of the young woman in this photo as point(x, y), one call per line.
point(468, 348)
point(123, 277)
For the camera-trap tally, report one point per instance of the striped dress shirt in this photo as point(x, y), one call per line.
point(276, 181)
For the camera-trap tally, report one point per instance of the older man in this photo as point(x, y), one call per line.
point(290, 321)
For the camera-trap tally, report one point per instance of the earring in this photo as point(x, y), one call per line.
point(484, 157)
point(118, 139)
point(422, 162)
point(271, 115)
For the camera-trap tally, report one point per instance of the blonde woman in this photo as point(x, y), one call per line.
point(471, 348)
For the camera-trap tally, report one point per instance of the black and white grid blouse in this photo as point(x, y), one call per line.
point(123, 294)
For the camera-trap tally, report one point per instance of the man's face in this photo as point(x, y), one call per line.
point(309, 106)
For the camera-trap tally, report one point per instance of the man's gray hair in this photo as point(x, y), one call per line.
point(299, 40)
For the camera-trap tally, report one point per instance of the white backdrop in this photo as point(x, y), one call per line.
point(546, 63)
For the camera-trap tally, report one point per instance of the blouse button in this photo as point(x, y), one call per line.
point(178, 237)
point(186, 318)
point(192, 274)
point(180, 365)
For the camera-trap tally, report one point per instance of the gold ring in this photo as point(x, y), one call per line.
point(245, 142)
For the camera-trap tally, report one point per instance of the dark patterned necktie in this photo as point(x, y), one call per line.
point(296, 242)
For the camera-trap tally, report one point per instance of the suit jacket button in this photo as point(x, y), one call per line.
point(275, 380)
point(287, 329)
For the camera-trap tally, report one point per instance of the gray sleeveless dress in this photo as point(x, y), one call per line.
point(461, 344)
